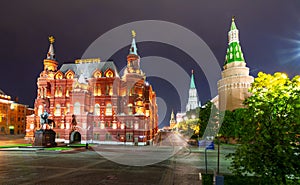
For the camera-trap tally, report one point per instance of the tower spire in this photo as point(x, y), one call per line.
point(233, 26)
point(51, 54)
point(192, 84)
point(133, 48)
point(234, 50)
point(193, 96)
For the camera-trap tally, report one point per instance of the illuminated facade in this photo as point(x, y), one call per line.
point(90, 102)
point(12, 115)
point(235, 82)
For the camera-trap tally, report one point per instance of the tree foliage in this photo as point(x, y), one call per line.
point(232, 123)
point(270, 130)
point(198, 120)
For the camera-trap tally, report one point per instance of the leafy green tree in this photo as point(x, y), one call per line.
point(270, 130)
point(228, 125)
point(208, 120)
point(232, 123)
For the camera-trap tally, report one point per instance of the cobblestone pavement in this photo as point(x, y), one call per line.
point(89, 167)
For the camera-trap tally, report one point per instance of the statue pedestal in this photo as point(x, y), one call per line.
point(44, 138)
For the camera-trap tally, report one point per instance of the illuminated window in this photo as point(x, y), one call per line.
point(68, 107)
point(40, 110)
point(108, 111)
point(60, 92)
point(67, 93)
point(70, 75)
point(97, 90)
point(97, 110)
point(97, 74)
point(77, 108)
point(136, 126)
point(102, 125)
point(59, 76)
point(130, 109)
point(109, 74)
point(57, 111)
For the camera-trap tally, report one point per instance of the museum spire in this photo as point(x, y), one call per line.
point(51, 54)
point(133, 48)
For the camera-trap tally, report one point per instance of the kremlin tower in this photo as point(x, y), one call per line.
point(235, 82)
point(193, 102)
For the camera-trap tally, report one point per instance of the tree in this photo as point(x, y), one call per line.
point(270, 130)
point(208, 121)
point(231, 124)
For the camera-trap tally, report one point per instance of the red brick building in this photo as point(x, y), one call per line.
point(90, 102)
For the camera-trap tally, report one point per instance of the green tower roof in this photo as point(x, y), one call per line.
point(234, 50)
point(192, 85)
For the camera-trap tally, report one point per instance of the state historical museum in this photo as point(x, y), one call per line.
point(90, 102)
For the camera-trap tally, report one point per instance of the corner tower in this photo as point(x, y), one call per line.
point(235, 82)
point(193, 102)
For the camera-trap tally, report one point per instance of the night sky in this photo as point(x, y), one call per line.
point(269, 36)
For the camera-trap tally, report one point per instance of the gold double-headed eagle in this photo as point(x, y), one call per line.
point(133, 33)
point(51, 39)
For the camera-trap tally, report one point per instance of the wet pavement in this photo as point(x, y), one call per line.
point(81, 166)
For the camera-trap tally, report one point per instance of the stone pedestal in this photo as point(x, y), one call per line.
point(44, 138)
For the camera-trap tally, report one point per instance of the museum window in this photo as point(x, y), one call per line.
point(97, 74)
point(97, 109)
point(130, 109)
point(40, 110)
point(96, 136)
point(102, 126)
point(57, 111)
point(129, 136)
point(77, 108)
point(67, 92)
point(69, 75)
point(109, 74)
point(108, 110)
point(108, 137)
point(68, 107)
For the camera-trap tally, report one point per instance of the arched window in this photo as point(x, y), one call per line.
point(58, 76)
point(97, 109)
point(77, 108)
point(109, 73)
point(40, 110)
point(108, 111)
point(97, 74)
point(57, 111)
point(70, 75)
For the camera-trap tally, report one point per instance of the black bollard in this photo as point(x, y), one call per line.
point(86, 146)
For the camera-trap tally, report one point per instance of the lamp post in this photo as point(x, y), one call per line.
point(218, 169)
